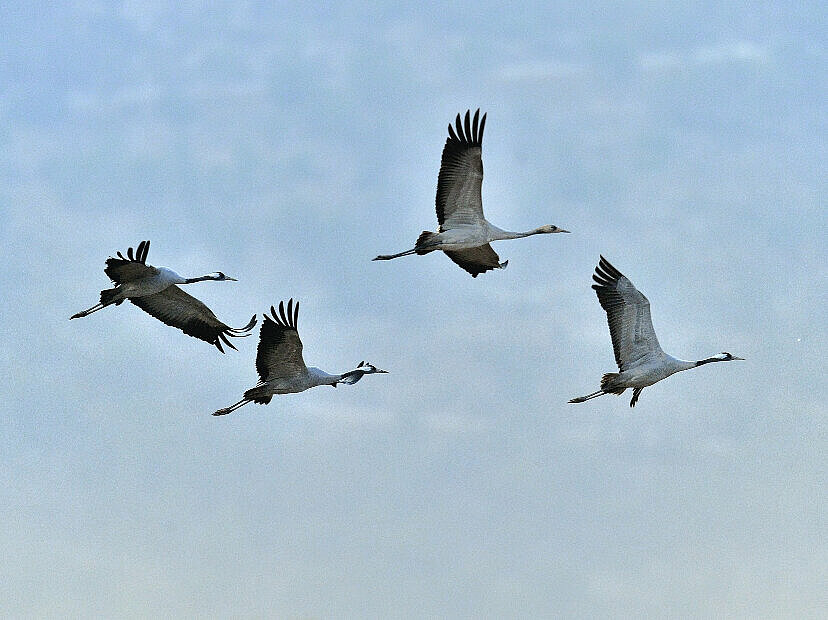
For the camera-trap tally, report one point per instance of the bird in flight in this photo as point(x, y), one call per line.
point(463, 233)
point(640, 360)
point(154, 290)
point(280, 365)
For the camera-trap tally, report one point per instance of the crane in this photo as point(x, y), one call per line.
point(463, 233)
point(154, 290)
point(280, 365)
point(640, 359)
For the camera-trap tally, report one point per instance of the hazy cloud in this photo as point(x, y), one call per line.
point(740, 51)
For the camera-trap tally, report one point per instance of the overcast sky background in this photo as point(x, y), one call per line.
point(287, 146)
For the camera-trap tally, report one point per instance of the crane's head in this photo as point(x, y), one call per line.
point(724, 356)
point(362, 369)
point(550, 228)
point(218, 275)
point(370, 369)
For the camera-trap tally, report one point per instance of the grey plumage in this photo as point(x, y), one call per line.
point(638, 354)
point(281, 366)
point(155, 291)
point(463, 233)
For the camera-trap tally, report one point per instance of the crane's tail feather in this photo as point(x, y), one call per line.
point(609, 383)
point(232, 408)
point(111, 296)
point(422, 246)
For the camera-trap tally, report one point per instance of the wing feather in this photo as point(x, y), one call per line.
point(476, 260)
point(179, 309)
point(131, 267)
point(280, 349)
point(459, 199)
point(628, 315)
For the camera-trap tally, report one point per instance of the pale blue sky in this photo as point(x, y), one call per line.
point(287, 146)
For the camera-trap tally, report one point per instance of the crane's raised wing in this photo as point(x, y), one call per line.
point(628, 315)
point(459, 202)
point(179, 309)
point(130, 267)
point(280, 349)
point(476, 260)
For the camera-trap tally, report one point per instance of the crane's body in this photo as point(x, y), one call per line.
point(314, 377)
point(650, 370)
point(463, 233)
point(154, 281)
point(155, 290)
point(640, 358)
point(280, 364)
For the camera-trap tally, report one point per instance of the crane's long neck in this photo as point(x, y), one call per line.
point(320, 377)
point(209, 276)
point(674, 364)
point(708, 360)
point(498, 234)
point(198, 279)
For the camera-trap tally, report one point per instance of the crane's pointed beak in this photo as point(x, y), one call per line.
point(562, 230)
point(738, 358)
point(229, 278)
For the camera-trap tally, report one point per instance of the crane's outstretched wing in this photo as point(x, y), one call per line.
point(476, 260)
point(461, 175)
point(179, 309)
point(280, 349)
point(130, 267)
point(628, 315)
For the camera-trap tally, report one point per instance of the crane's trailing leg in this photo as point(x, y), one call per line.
point(582, 399)
point(232, 408)
point(609, 385)
point(87, 312)
point(636, 394)
point(390, 256)
point(425, 244)
point(108, 297)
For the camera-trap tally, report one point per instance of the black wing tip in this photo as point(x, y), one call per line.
point(605, 274)
point(223, 336)
point(284, 317)
point(607, 267)
point(139, 255)
point(467, 131)
point(242, 331)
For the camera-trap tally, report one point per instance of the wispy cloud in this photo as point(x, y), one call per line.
point(538, 70)
point(738, 51)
